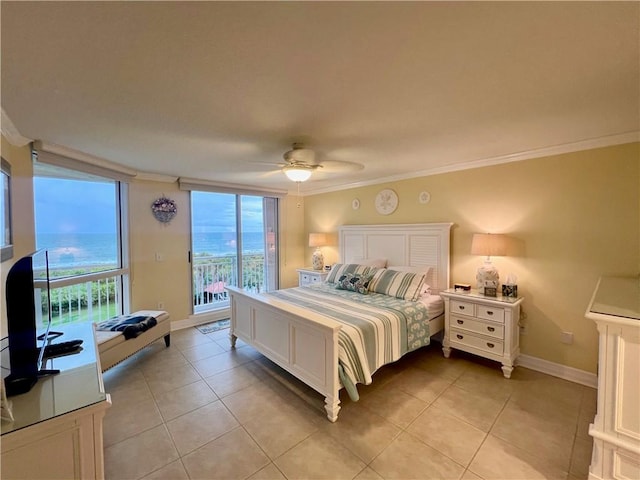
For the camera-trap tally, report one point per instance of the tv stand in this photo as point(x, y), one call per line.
point(57, 427)
point(17, 385)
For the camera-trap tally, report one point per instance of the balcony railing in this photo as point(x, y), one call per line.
point(93, 297)
point(97, 296)
point(211, 274)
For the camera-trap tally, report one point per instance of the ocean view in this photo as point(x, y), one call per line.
point(70, 250)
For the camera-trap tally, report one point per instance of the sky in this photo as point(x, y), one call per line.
point(77, 206)
point(215, 212)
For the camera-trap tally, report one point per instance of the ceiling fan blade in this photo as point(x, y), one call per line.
point(337, 166)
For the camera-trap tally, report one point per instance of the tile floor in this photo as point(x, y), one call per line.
point(199, 410)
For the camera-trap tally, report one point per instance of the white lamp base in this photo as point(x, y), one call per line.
point(487, 276)
point(317, 260)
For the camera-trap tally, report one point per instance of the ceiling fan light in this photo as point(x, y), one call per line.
point(297, 174)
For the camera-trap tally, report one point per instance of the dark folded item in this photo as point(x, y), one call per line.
point(130, 327)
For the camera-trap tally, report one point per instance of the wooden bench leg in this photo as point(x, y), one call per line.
point(167, 339)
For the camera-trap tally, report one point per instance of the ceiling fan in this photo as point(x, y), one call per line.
point(301, 163)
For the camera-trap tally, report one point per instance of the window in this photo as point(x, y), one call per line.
point(6, 243)
point(233, 243)
point(78, 220)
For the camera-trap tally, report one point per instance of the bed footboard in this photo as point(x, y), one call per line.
point(303, 343)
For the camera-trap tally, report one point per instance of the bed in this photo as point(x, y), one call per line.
point(293, 328)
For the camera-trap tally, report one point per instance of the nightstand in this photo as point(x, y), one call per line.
point(309, 276)
point(484, 326)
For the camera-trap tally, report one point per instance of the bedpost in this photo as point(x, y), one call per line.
point(332, 406)
point(332, 399)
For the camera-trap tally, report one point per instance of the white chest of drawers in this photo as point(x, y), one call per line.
point(309, 276)
point(484, 326)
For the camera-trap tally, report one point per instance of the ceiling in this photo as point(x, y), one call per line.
point(220, 90)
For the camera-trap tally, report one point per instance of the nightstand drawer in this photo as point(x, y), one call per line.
point(462, 308)
point(490, 345)
point(311, 277)
point(495, 330)
point(490, 313)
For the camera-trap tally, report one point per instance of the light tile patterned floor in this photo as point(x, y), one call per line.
point(200, 410)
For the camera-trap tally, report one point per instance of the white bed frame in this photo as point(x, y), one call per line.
point(305, 343)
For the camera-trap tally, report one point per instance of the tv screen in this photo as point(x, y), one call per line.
point(27, 300)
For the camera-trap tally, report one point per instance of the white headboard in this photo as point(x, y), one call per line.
point(416, 245)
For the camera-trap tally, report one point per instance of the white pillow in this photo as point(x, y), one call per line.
point(371, 262)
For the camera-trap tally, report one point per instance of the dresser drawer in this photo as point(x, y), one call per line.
point(490, 345)
point(490, 313)
point(494, 330)
point(462, 308)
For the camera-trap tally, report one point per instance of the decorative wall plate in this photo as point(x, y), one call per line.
point(386, 202)
point(424, 197)
point(355, 204)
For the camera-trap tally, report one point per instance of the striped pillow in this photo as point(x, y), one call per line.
point(404, 285)
point(340, 269)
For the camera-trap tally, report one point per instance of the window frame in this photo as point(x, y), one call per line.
point(6, 250)
point(122, 272)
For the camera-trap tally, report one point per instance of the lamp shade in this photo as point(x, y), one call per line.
point(489, 244)
point(297, 174)
point(317, 239)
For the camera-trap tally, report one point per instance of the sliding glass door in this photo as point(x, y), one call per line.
point(233, 243)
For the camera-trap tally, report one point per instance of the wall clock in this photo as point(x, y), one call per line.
point(386, 202)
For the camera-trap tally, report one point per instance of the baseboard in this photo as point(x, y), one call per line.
point(534, 363)
point(557, 370)
point(200, 319)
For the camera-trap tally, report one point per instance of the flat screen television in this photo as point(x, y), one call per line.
point(28, 310)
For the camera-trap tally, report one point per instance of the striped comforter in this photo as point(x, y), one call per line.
point(376, 329)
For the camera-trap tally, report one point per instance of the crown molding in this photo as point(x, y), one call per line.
point(590, 144)
point(155, 177)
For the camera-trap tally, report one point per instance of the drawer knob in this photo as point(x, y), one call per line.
point(461, 307)
point(460, 337)
point(489, 312)
point(460, 322)
point(491, 329)
point(490, 345)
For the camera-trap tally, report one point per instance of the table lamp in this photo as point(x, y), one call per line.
point(490, 245)
point(317, 240)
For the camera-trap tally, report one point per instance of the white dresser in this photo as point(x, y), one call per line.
point(309, 276)
point(615, 307)
point(57, 427)
point(484, 326)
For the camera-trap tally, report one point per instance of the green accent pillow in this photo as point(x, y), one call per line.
point(404, 285)
point(355, 283)
point(340, 269)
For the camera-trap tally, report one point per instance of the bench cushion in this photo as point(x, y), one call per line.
point(113, 348)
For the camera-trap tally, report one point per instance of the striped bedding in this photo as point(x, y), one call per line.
point(376, 329)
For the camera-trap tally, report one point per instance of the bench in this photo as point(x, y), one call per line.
point(113, 348)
